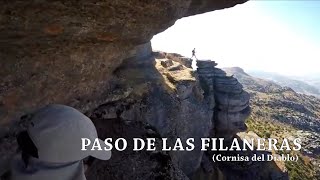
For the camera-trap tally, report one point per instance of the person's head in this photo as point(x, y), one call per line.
point(54, 135)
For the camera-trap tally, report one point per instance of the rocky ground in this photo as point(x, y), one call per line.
point(159, 93)
point(280, 103)
point(91, 54)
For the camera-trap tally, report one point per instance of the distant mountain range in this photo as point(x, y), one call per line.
point(282, 103)
point(254, 83)
point(312, 79)
point(278, 111)
point(305, 85)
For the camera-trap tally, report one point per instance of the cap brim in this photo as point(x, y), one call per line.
point(101, 154)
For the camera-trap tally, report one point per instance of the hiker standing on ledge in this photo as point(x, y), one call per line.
point(194, 54)
point(193, 62)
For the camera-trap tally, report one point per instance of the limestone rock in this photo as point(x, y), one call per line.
point(108, 112)
point(229, 88)
point(142, 165)
point(65, 51)
point(176, 67)
point(166, 63)
point(173, 105)
point(226, 80)
point(219, 73)
point(184, 90)
point(231, 101)
point(237, 99)
point(141, 51)
point(232, 108)
point(179, 58)
point(203, 64)
point(186, 61)
point(71, 52)
point(232, 122)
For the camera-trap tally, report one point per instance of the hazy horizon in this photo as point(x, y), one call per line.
point(272, 36)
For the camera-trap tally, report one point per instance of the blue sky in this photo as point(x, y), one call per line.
point(301, 15)
point(268, 35)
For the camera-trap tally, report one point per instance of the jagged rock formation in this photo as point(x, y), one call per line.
point(165, 94)
point(65, 51)
point(229, 100)
point(72, 52)
point(142, 165)
point(162, 91)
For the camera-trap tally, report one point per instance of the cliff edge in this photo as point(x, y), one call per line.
point(65, 51)
point(160, 93)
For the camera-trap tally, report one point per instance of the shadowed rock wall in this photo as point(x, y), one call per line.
point(65, 51)
point(68, 52)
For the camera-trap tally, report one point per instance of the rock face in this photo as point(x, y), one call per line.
point(229, 100)
point(166, 95)
point(65, 51)
point(157, 95)
point(143, 165)
point(90, 54)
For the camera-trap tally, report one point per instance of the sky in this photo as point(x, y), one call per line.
point(266, 35)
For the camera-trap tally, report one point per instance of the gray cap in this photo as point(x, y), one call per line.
point(56, 131)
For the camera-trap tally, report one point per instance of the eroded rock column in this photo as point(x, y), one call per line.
point(226, 96)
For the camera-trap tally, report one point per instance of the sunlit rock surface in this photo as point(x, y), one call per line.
point(226, 93)
point(162, 92)
point(65, 51)
point(76, 52)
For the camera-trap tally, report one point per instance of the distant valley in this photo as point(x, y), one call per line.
point(307, 85)
point(282, 103)
point(278, 111)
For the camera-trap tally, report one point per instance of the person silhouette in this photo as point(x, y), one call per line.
point(194, 53)
point(51, 145)
point(193, 62)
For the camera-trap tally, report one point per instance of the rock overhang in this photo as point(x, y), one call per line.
point(60, 51)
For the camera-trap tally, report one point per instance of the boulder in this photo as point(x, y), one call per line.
point(166, 63)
